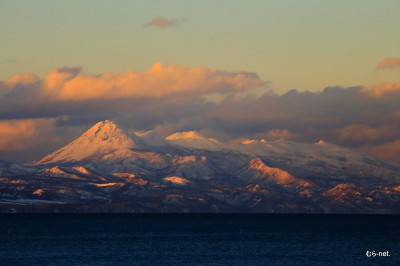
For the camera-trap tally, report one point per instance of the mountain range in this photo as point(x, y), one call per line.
point(109, 169)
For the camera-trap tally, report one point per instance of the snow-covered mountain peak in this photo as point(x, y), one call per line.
point(107, 134)
point(108, 169)
point(192, 139)
point(185, 135)
point(103, 138)
point(248, 141)
point(104, 123)
point(103, 130)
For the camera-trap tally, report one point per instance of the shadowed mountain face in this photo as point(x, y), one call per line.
point(108, 169)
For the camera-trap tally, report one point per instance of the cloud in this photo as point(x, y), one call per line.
point(385, 89)
point(67, 84)
point(26, 140)
point(163, 23)
point(389, 63)
point(276, 134)
point(387, 151)
point(270, 135)
point(17, 82)
point(369, 134)
point(172, 98)
point(57, 78)
point(16, 134)
point(22, 79)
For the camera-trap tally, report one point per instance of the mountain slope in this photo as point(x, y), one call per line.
point(151, 139)
point(13, 169)
point(102, 141)
point(192, 139)
point(108, 169)
point(319, 159)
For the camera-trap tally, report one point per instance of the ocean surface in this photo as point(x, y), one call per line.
point(199, 239)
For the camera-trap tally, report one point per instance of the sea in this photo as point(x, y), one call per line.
point(199, 239)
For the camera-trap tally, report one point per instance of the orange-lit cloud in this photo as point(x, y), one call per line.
point(16, 134)
point(382, 89)
point(162, 23)
point(55, 79)
point(174, 98)
point(24, 79)
point(389, 63)
point(27, 139)
point(158, 81)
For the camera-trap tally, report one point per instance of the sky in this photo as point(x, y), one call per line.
point(300, 70)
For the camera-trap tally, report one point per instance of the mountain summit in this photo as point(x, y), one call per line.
point(109, 169)
point(192, 139)
point(101, 141)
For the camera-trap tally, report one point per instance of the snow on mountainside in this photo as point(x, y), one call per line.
point(276, 175)
point(107, 168)
point(150, 138)
point(320, 158)
point(102, 140)
point(192, 139)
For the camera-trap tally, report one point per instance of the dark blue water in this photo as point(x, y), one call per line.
point(172, 239)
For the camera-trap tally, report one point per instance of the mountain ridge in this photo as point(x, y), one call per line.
point(191, 173)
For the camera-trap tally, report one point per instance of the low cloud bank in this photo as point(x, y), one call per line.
point(177, 98)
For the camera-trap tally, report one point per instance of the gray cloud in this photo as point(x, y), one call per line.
point(352, 117)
